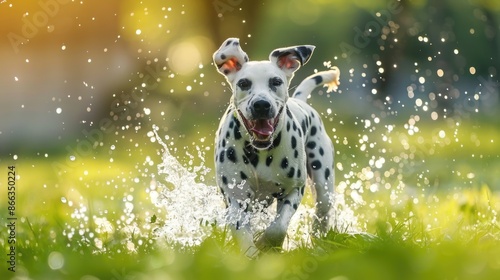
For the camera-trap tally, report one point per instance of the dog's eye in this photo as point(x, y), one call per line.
point(244, 84)
point(275, 82)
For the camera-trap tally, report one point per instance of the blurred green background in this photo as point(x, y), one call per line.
point(415, 123)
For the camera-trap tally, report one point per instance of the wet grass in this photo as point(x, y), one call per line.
point(96, 221)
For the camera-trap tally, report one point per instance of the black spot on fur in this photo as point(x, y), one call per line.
point(291, 173)
point(313, 130)
point(269, 160)
point(299, 174)
point(316, 164)
point(288, 113)
point(296, 154)
point(251, 153)
point(284, 163)
point(224, 180)
point(318, 79)
point(277, 140)
point(321, 151)
point(231, 124)
point(294, 142)
point(237, 133)
point(311, 155)
point(302, 189)
point(221, 156)
point(287, 202)
point(294, 126)
point(288, 126)
point(223, 143)
point(303, 125)
point(228, 134)
point(311, 145)
point(295, 206)
point(243, 175)
point(278, 194)
point(327, 173)
point(231, 154)
point(304, 54)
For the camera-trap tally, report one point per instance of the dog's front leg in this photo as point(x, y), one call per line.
point(274, 235)
point(239, 222)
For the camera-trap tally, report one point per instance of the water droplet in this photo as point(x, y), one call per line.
point(434, 116)
point(56, 260)
point(58, 110)
point(138, 32)
point(442, 134)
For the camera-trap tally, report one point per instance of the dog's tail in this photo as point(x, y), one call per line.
point(328, 78)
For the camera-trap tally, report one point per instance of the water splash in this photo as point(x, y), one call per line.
point(191, 207)
point(194, 209)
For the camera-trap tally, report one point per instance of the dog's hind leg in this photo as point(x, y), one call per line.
point(322, 173)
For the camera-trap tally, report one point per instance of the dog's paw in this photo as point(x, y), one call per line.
point(266, 244)
point(252, 252)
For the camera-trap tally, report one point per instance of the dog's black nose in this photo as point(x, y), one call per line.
point(261, 109)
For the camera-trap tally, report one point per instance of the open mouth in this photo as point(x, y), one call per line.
point(261, 130)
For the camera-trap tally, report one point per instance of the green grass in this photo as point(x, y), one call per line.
point(418, 231)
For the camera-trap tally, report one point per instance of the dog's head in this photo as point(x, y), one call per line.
point(260, 88)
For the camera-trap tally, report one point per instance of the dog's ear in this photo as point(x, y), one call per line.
point(290, 59)
point(229, 58)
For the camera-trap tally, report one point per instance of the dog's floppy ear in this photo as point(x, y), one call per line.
point(229, 58)
point(290, 59)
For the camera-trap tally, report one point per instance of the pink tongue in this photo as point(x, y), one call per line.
point(263, 128)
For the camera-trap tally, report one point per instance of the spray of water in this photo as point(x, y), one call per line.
point(194, 209)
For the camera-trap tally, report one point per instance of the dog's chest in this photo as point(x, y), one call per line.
point(278, 169)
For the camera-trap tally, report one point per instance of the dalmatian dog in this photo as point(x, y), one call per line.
point(268, 143)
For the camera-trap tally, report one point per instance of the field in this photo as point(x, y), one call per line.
point(108, 111)
point(98, 219)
